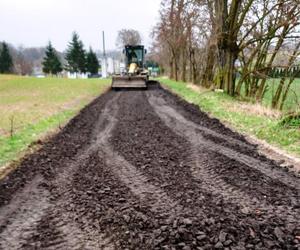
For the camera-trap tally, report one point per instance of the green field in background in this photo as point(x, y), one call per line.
point(293, 98)
point(37, 105)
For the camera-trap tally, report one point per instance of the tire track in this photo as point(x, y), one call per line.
point(204, 130)
point(147, 143)
point(203, 170)
point(71, 236)
point(63, 233)
point(35, 203)
point(145, 177)
point(182, 126)
point(27, 209)
point(156, 198)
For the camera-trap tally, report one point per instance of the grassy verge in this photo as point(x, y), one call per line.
point(39, 106)
point(240, 116)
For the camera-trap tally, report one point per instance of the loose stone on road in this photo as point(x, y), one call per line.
point(147, 170)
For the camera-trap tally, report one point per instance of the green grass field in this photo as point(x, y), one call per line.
point(293, 98)
point(244, 117)
point(34, 106)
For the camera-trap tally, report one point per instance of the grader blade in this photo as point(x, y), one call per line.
point(119, 82)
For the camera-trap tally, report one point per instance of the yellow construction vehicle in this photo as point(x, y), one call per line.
point(135, 75)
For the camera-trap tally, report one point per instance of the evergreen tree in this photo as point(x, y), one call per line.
point(75, 55)
point(272, 73)
point(277, 73)
point(6, 62)
point(280, 73)
point(51, 62)
point(92, 63)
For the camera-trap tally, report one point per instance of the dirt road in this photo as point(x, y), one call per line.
point(146, 170)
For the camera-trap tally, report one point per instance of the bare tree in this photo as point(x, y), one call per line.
point(21, 65)
point(211, 41)
point(128, 37)
point(284, 84)
point(176, 38)
point(270, 25)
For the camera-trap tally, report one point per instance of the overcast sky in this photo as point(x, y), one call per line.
point(34, 22)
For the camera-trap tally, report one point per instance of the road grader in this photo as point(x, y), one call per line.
point(135, 74)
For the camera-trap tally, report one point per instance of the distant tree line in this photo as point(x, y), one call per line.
point(23, 60)
point(77, 59)
point(277, 72)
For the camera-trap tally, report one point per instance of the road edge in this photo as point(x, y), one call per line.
point(285, 160)
point(41, 140)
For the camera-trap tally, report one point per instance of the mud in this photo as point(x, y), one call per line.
point(147, 170)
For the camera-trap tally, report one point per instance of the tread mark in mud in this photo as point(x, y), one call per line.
point(203, 171)
point(177, 201)
point(183, 126)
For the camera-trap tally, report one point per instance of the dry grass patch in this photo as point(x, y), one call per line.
point(243, 107)
point(254, 109)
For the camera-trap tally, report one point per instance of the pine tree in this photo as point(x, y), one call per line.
point(75, 55)
point(277, 73)
point(92, 63)
point(271, 73)
point(6, 62)
point(51, 62)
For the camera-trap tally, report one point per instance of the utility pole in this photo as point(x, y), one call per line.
point(104, 66)
point(103, 37)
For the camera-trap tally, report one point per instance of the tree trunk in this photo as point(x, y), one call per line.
point(285, 93)
point(208, 74)
point(229, 73)
point(190, 64)
point(276, 97)
point(259, 95)
point(194, 67)
point(227, 44)
point(171, 63)
point(175, 69)
point(226, 72)
point(183, 66)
